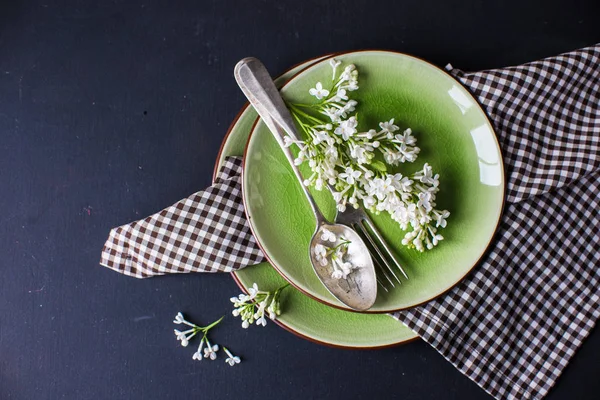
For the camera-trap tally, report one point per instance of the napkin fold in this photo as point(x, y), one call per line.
point(206, 232)
point(513, 324)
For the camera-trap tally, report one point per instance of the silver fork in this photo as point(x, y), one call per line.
point(382, 255)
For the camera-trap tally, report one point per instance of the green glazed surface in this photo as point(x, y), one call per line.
point(455, 138)
point(301, 314)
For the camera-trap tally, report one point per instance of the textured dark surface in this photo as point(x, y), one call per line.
point(112, 110)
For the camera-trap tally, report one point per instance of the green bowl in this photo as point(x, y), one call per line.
point(456, 139)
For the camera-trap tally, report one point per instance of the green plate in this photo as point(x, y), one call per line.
point(302, 315)
point(456, 139)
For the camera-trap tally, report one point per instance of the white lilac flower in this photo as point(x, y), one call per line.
point(320, 253)
point(426, 175)
point(349, 161)
point(321, 136)
point(319, 92)
point(347, 74)
point(360, 154)
point(425, 201)
point(253, 291)
point(253, 310)
point(346, 129)
point(341, 95)
point(388, 127)
point(406, 138)
point(440, 218)
point(198, 354)
point(184, 337)
point(350, 175)
point(180, 320)
point(231, 359)
point(328, 236)
point(210, 351)
point(288, 141)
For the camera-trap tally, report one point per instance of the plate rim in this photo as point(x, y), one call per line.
point(485, 249)
point(305, 64)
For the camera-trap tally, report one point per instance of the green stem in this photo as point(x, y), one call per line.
point(206, 328)
point(305, 115)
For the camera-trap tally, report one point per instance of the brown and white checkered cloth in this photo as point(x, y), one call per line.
point(518, 318)
point(514, 323)
point(206, 232)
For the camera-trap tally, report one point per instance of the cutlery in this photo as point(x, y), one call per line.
point(359, 290)
point(381, 253)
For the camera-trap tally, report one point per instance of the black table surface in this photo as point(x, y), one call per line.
point(112, 110)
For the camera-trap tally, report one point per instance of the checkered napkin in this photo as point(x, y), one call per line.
point(515, 322)
point(206, 232)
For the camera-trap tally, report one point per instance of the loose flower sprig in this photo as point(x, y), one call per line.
point(346, 161)
point(231, 359)
point(324, 253)
point(210, 350)
point(252, 306)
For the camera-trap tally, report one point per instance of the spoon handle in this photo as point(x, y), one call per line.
point(258, 86)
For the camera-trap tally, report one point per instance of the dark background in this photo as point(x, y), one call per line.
point(113, 110)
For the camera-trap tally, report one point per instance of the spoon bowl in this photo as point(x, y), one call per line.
point(359, 289)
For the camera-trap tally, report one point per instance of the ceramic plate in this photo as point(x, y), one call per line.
point(456, 139)
point(302, 315)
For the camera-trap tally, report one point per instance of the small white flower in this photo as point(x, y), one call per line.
point(334, 64)
point(347, 128)
point(440, 219)
point(198, 354)
point(183, 336)
point(231, 359)
point(388, 127)
point(426, 175)
point(320, 136)
point(245, 324)
point(211, 351)
point(436, 239)
point(288, 141)
point(341, 95)
point(425, 201)
point(318, 91)
point(261, 321)
point(328, 236)
point(179, 319)
point(253, 291)
point(350, 175)
point(359, 154)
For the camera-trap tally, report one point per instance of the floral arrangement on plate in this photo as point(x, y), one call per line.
point(354, 164)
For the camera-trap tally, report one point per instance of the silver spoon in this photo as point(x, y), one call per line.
point(359, 290)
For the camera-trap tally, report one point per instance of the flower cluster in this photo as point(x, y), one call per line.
point(333, 250)
point(348, 161)
point(256, 305)
point(210, 350)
